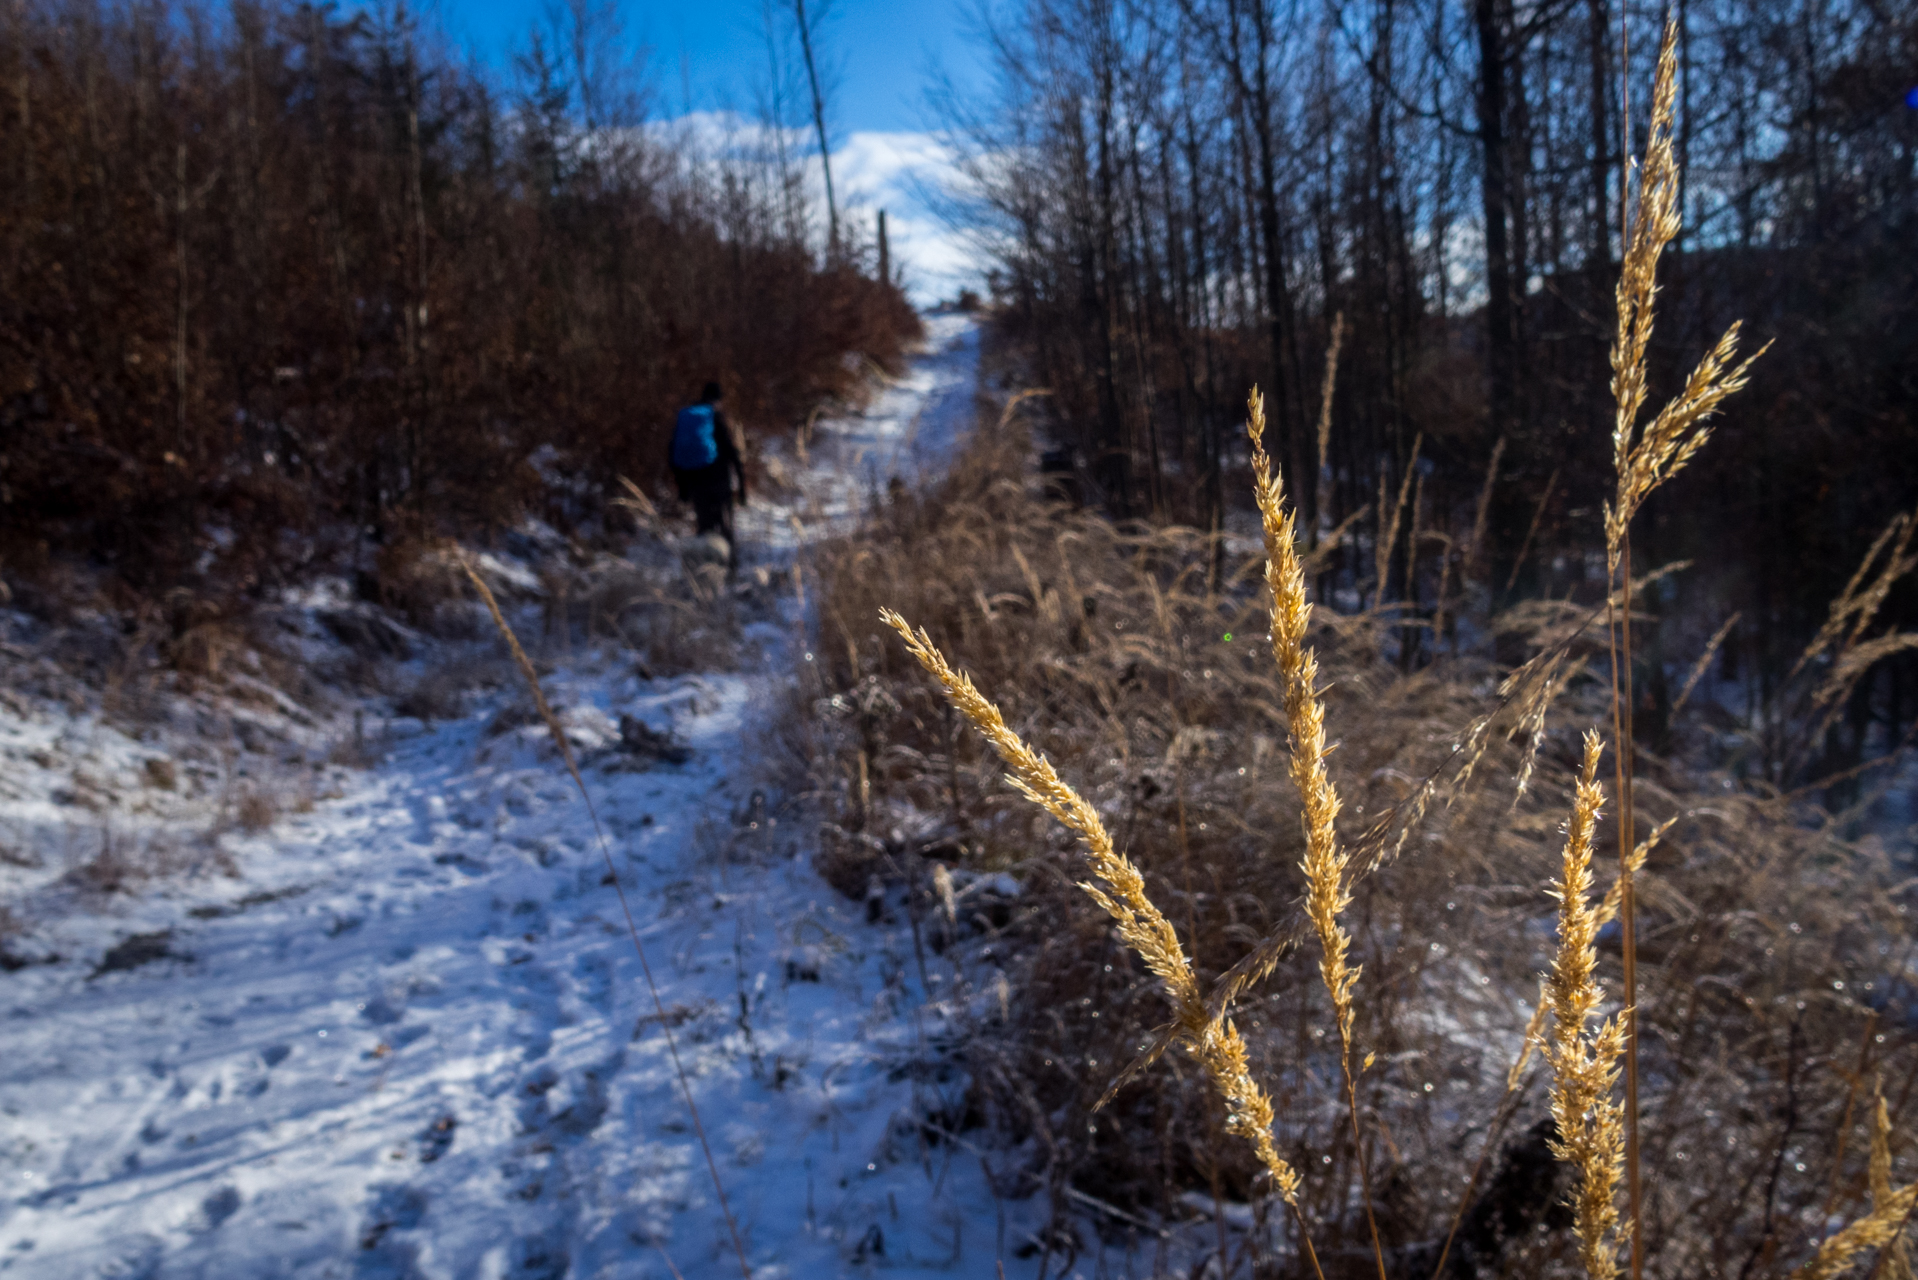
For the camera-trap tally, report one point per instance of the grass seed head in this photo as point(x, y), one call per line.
point(1209, 1037)
point(1591, 1136)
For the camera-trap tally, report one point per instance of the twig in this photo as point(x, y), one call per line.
point(1704, 661)
point(1525, 545)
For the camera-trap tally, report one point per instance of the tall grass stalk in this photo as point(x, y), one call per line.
point(1704, 661)
point(1585, 1066)
point(1322, 507)
point(1884, 1226)
point(1894, 1261)
point(1328, 892)
point(1388, 533)
point(1644, 460)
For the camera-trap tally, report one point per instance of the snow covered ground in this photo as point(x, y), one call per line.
point(402, 1031)
point(909, 430)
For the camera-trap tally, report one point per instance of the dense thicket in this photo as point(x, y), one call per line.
point(1189, 191)
point(270, 275)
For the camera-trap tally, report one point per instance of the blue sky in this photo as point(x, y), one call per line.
point(708, 58)
point(715, 50)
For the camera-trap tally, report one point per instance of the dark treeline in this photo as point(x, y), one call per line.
point(1187, 192)
point(279, 285)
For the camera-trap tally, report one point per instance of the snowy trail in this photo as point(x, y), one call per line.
point(413, 1039)
point(909, 430)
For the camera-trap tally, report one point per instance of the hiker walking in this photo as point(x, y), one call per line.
point(706, 463)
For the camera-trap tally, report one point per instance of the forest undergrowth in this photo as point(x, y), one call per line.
point(1328, 879)
point(289, 292)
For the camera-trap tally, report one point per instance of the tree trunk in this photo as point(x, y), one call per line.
point(1600, 231)
point(1501, 313)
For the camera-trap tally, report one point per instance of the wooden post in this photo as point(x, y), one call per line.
point(885, 254)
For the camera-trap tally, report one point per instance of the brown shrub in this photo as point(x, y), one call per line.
point(200, 634)
point(675, 636)
point(286, 423)
point(256, 811)
point(124, 863)
point(356, 750)
point(418, 580)
point(439, 694)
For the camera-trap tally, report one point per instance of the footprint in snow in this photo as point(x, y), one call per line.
point(437, 1138)
point(381, 1011)
point(593, 981)
point(589, 1107)
point(428, 812)
point(139, 1259)
point(395, 1206)
point(539, 1259)
point(218, 1207)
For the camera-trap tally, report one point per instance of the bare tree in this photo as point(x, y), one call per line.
point(808, 32)
point(1183, 192)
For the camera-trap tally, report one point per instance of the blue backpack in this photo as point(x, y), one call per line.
point(694, 445)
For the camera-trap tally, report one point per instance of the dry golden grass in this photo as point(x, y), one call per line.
point(1107, 651)
point(1584, 1064)
point(1646, 459)
point(1883, 1226)
point(1210, 1039)
point(1223, 831)
point(1327, 893)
